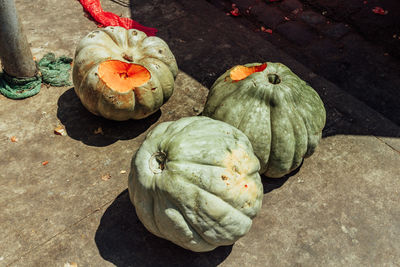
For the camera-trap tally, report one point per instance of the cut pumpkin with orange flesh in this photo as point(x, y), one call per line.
point(241, 72)
point(122, 76)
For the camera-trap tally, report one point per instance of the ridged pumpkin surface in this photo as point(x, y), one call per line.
point(281, 115)
point(195, 182)
point(123, 74)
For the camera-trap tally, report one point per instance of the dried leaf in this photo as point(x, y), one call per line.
point(296, 11)
point(60, 130)
point(248, 10)
point(14, 139)
point(379, 10)
point(106, 177)
point(44, 163)
point(99, 131)
point(263, 29)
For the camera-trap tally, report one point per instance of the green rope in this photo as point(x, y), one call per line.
point(19, 88)
point(54, 72)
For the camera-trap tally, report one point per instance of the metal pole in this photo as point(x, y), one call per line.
point(15, 54)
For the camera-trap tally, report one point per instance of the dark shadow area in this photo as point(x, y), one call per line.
point(378, 29)
point(206, 42)
point(123, 240)
point(92, 130)
point(270, 184)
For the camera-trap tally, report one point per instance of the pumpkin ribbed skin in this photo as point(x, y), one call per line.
point(130, 46)
point(283, 121)
point(195, 182)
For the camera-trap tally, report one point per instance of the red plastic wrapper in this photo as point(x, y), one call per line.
point(379, 10)
point(235, 12)
point(104, 19)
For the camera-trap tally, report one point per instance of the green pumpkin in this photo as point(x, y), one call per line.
point(281, 115)
point(123, 74)
point(195, 182)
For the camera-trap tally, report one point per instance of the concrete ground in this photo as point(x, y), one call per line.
point(341, 208)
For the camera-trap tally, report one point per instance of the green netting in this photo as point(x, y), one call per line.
point(54, 71)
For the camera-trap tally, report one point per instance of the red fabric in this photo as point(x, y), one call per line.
point(93, 7)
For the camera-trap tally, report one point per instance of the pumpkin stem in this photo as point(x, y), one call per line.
point(122, 76)
point(157, 162)
point(273, 78)
point(241, 72)
point(127, 57)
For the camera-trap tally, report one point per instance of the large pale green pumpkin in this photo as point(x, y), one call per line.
point(195, 182)
point(123, 74)
point(282, 116)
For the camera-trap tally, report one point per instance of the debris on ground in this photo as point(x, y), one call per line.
point(98, 131)
point(296, 11)
point(122, 172)
point(106, 177)
point(235, 11)
point(44, 163)
point(267, 30)
point(248, 10)
point(14, 139)
point(60, 130)
point(379, 10)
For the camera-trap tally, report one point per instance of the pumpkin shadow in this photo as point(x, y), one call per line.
point(92, 130)
point(123, 240)
point(270, 184)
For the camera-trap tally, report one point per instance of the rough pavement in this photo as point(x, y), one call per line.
point(340, 208)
